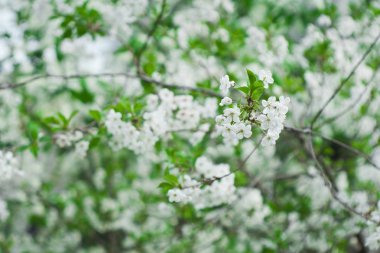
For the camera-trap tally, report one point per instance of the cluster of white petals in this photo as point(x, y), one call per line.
point(9, 165)
point(220, 191)
point(81, 148)
point(266, 77)
point(272, 118)
point(67, 139)
point(226, 84)
point(165, 113)
point(231, 127)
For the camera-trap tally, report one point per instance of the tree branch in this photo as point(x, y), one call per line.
point(307, 131)
point(336, 91)
point(329, 185)
point(120, 74)
point(350, 107)
point(150, 35)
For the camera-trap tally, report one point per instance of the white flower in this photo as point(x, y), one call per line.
point(232, 114)
point(176, 195)
point(324, 21)
point(229, 131)
point(268, 104)
point(273, 117)
point(183, 101)
point(269, 140)
point(225, 83)
point(266, 77)
point(264, 120)
point(243, 131)
point(220, 119)
point(113, 116)
point(8, 165)
point(373, 241)
point(4, 213)
point(81, 148)
point(226, 101)
point(62, 140)
point(151, 102)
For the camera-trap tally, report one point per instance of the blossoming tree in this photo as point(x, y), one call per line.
point(189, 126)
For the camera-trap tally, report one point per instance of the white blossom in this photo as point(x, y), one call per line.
point(81, 148)
point(226, 101)
point(266, 77)
point(8, 165)
point(226, 84)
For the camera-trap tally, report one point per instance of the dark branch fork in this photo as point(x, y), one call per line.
point(333, 191)
point(323, 169)
point(307, 131)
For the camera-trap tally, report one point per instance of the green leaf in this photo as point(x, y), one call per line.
point(84, 94)
point(33, 132)
point(257, 93)
point(52, 120)
point(95, 114)
point(257, 90)
point(252, 77)
point(72, 115)
point(34, 149)
point(243, 89)
point(63, 119)
point(94, 142)
point(165, 186)
point(171, 179)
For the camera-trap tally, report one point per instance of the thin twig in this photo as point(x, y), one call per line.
point(120, 74)
point(329, 185)
point(307, 131)
point(336, 91)
point(150, 34)
point(211, 180)
point(349, 107)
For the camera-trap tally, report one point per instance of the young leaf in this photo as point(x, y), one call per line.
point(171, 179)
point(257, 93)
point(165, 186)
point(243, 89)
point(34, 149)
point(33, 132)
point(95, 114)
point(52, 120)
point(257, 90)
point(94, 142)
point(252, 77)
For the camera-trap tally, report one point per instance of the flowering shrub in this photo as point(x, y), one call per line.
point(189, 126)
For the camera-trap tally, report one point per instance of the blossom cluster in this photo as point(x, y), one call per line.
point(231, 127)
point(165, 113)
point(70, 138)
point(9, 165)
point(220, 191)
point(234, 127)
point(272, 118)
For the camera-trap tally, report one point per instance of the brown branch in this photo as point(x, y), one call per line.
point(211, 180)
point(329, 184)
point(350, 107)
point(336, 91)
point(150, 35)
point(307, 131)
point(120, 74)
